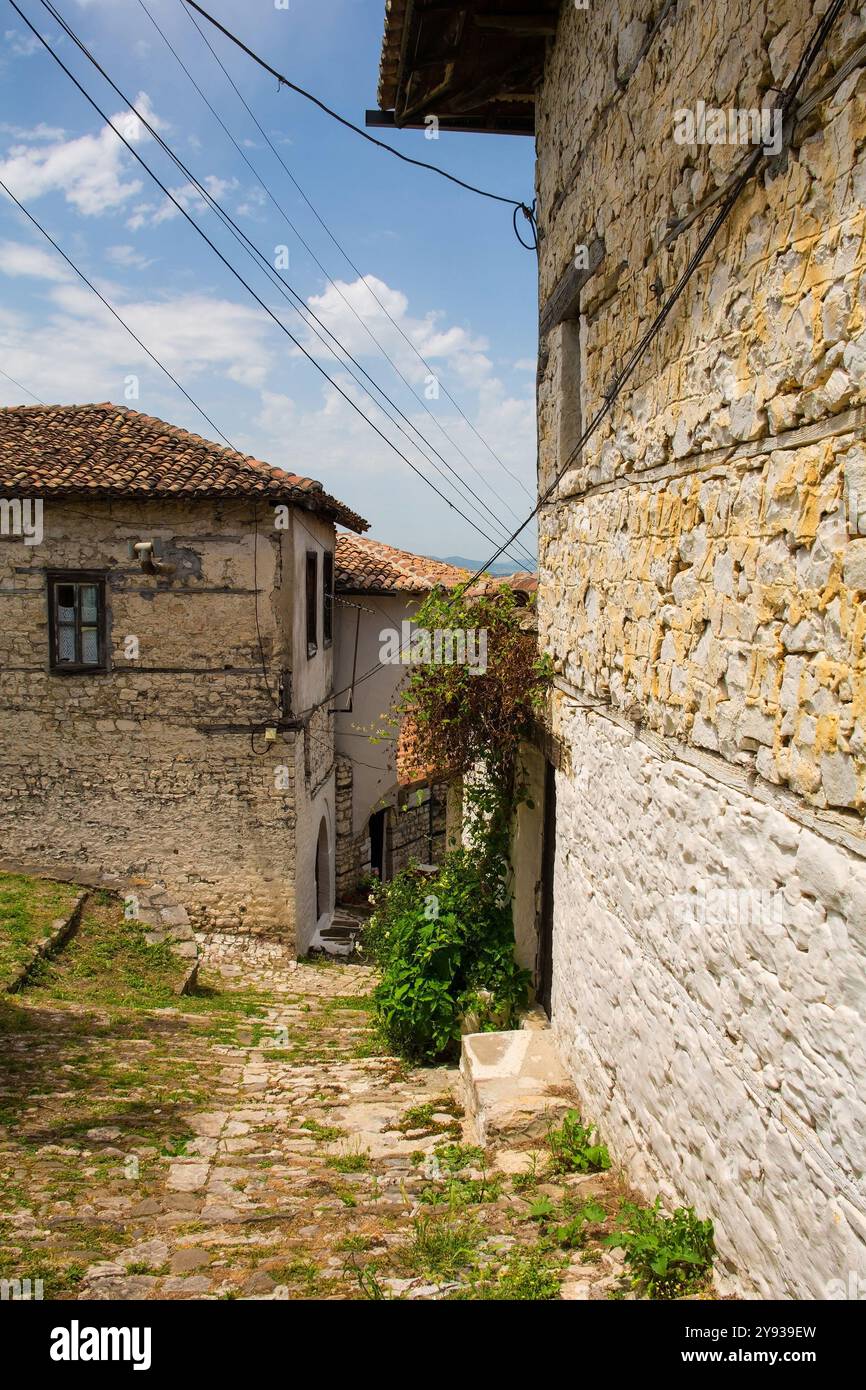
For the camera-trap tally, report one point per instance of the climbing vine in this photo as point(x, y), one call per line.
point(445, 941)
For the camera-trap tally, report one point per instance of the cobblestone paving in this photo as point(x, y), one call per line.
point(251, 1143)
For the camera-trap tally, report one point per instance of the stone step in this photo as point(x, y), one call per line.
point(514, 1084)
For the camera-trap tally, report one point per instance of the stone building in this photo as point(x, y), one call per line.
point(702, 585)
point(166, 669)
point(389, 810)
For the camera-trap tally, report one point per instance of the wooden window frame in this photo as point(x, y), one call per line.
point(327, 598)
point(311, 590)
point(77, 668)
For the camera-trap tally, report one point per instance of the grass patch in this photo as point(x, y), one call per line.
point(109, 963)
point(326, 1134)
point(439, 1249)
point(350, 1163)
point(529, 1276)
point(28, 906)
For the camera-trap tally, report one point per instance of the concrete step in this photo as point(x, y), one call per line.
point(514, 1084)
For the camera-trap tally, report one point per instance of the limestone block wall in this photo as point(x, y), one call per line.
point(709, 990)
point(151, 769)
point(702, 586)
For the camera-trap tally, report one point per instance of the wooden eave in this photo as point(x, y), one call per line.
point(475, 65)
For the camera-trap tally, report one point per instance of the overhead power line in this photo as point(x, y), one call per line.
point(518, 206)
point(284, 288)
point(111, 309)
point(284, 81)
point(25, 389)
point(502, 527)
point(236, 274)
point(789, 96)
point(344, 253)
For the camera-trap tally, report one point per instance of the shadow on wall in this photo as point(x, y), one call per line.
point(324, 879)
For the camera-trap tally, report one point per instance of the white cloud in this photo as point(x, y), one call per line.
point(249, 379)
point(89, 169)
point(349, 310)
point(17, 258)
point(186, 196)
point(19, 44)
point(36, 132)
point(127, 257)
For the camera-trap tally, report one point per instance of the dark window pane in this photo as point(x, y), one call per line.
point(77, 613)
point(312, 601)
point(328, 598)
point(66, 603)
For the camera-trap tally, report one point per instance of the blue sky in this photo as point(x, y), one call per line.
point(444, 262)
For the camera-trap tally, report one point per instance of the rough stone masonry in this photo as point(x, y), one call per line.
point(702, 585)
point(157, 770)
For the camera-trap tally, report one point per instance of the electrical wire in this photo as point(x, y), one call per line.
point(344, 253)
point(282, 285)
point(229, 266)
point(285, 289)
point(27, 392)
point(362, 280)
point(789, 96)
point(284, 81)
point(111, 309)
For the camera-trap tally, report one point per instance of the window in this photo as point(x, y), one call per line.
point(76, 617)
point(312, 602)
point(327, 598)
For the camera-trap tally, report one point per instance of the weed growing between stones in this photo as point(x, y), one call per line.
point(572, 1149)
point(667, 1256)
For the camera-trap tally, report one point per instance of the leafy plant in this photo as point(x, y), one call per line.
point(573, 1233)
point(350, 1162)
point(439, 941)
point(667, 1256)
point(572, 1149)
point(541, 1208)
point(463, 715)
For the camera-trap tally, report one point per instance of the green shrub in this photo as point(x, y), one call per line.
point(667, 1256)
point(572, 1149)
point(439, 941)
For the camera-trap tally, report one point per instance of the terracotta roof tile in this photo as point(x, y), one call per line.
point(109, 450)
point(371, 567)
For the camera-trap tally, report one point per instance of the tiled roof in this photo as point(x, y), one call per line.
point(108, 450)
point(371, 567)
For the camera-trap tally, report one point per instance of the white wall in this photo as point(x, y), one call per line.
point(312, 686)
point(375, 774)
point(724, 1062)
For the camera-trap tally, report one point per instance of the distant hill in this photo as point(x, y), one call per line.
point(499, 567)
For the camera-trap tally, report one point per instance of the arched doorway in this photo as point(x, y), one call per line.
point(324, 898)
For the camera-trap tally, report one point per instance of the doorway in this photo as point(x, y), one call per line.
point(377, 843)
point(323, 872)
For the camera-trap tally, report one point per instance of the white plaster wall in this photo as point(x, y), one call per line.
point(309, 815)
point(724, 1062)
point(312, 677)
point(374, 763)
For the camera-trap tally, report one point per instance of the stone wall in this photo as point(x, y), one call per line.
point(347, 866)
point(157, 769)
point(416, 828)
point(702, 582)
